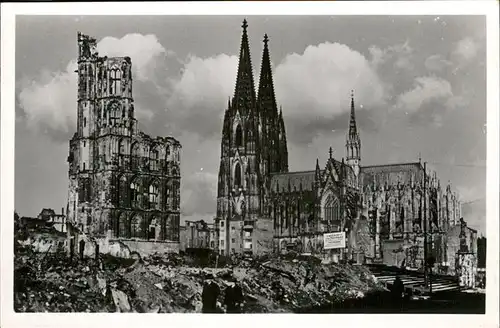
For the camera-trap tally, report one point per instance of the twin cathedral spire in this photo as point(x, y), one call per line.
point(254, 143)
point(253, 136)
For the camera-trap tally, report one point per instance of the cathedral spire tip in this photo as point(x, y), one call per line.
point(266, 39)
point(244, 94)
point(352, 122)
point(331, 152)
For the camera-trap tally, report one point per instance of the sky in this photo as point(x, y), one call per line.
point(418, 81)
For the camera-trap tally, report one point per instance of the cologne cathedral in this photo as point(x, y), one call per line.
point(123, 184)
point(384, 210)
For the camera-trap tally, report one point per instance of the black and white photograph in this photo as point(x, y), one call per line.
point(250, 163)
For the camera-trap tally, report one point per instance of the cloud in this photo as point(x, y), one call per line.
point(49, 101)
point(466, 48)
point(199, 95)
point(315, 85)
point(437, 63)
point(311, 86)
point(425, 90)
point(144, 50)
point(396, 56)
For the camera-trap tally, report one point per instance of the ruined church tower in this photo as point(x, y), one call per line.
point(123, 183)
point(253, 146)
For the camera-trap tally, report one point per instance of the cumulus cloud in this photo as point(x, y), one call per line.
point(316, 85)
point(466, 48)
point(425, 90)
point(311, 87)
point(49, 101)
point(199, 96)
point(398, 56)
point(437, 63)
point(144, 50)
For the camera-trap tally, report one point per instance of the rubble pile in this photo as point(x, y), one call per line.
point(51, 283)
point(174, 283)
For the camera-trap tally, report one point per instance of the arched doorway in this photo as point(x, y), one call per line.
point(152, 228)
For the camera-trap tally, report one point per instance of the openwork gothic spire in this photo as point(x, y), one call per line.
point(266, 96)
point(244, 93)
point(353, 131)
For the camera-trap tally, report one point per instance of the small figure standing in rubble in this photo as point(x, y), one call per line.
point(209, 296)
point(233, 298)
point(397, 291)
point(82, 249)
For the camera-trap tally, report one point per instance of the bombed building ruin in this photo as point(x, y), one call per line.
point(123, 184)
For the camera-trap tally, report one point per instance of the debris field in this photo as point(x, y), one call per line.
point(166, 283)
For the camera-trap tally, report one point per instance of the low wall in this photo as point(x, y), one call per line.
point(146, 247)
point(45, 242)
point(123, 247)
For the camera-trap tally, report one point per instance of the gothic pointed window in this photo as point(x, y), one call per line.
point(275, 216)
point(123, 226)
point(153, 195)
point(237, 175)
point(115, 82)
point(121, 152)
point(135, 154)
point(153, 160)
point(239, 136)
point(134, 194)
point(168, 194)
point(122, 194)
point(116, 226)
point(152, 228)
point(114, 113)
point(332, 209)
point(400, 224)
point(282, 217)
point(176, 195)
point(136, 227)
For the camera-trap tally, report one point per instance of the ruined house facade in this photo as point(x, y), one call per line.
point(263, 207)
point(197, 234)
point(123, 184)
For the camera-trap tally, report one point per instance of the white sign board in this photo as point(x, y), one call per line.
point(334, 240)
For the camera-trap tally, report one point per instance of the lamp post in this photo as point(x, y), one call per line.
point(347, 248)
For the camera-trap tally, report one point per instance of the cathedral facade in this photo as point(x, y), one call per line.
point(384, 211)
point(123, 184)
